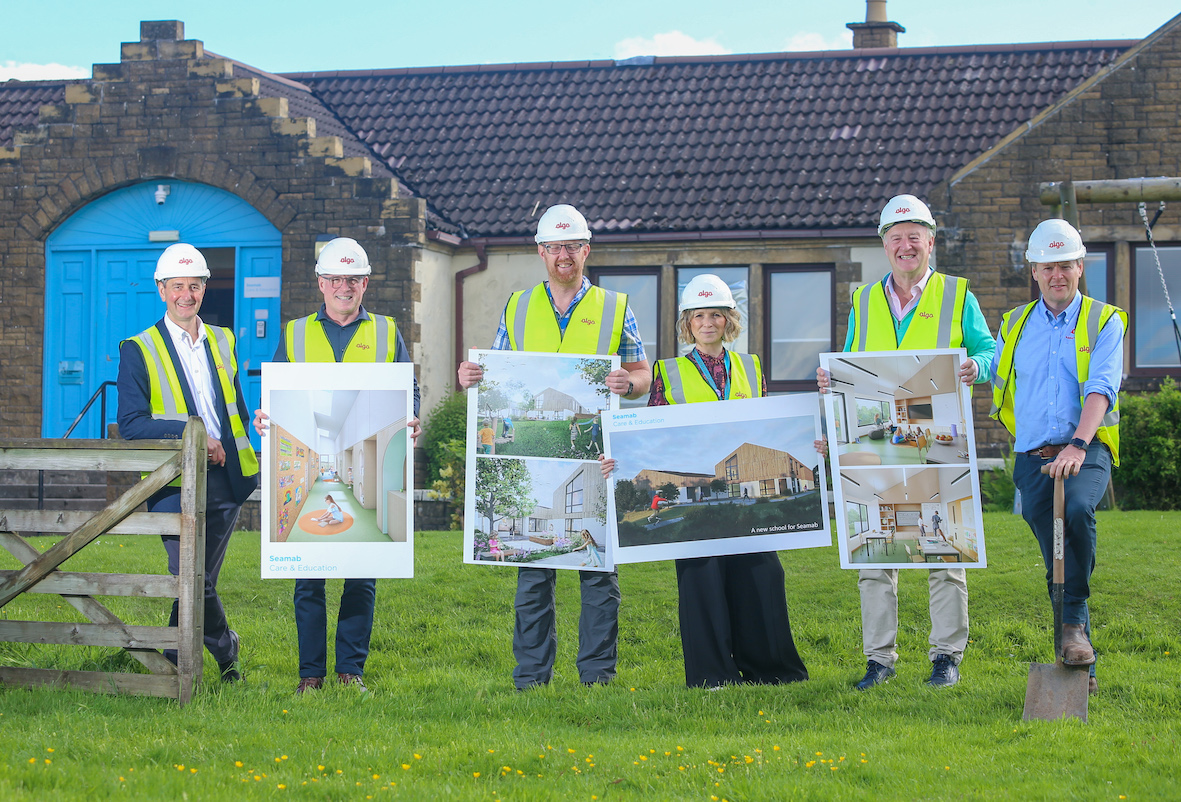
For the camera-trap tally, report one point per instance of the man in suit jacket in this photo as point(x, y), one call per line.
point(178, 368)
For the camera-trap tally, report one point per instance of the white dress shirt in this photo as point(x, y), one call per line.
point(197, 369)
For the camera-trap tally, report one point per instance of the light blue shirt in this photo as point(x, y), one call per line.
point(1048, 400)
point(978, 340)
point(631, 347)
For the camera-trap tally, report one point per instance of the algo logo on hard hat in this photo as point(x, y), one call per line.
point(902, 210)
point(1056, 244)
point(346, 260)
point(705, 294)
point(562, 225)
point(184, 260)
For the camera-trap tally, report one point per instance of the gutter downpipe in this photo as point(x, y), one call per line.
point(460, 277)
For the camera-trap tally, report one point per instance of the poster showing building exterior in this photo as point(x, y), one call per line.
point(336, 471)
point(903, 451)
point(535, 493)
point(730, 477)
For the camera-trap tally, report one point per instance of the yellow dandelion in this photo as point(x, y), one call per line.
point(278, 759)
point(571, 751)
point(49, 749)
point(32, 760)
point(842, 758)
point(643, 757)
point(284, 711)
point(666, 754)
point(121, 779)
point(475, 774)
point(680, 749)
point(810, 764)
point(238, 763)
point(721, 769)
point(635, 762)
point(863, 754)
point(633, 690)
point(417, 756)
point(318, 768)
point(651, 751)
point(192, 771)
point(281, 786)
point(284, 757)
point(833, 768)
point(760, 712)
point(947, 768)
point(818, 754)
point(378, 776)
point(775, 748)
point(340, 771)
point(48, 761)
point(257, 778)
point(491, 751)
point(863, 760)
point(405, 766)
point(180, 766)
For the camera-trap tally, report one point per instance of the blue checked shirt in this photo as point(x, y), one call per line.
point(1047, 403)
point(631, 347)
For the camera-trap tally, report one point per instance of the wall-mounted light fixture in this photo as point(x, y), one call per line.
point(162, 193)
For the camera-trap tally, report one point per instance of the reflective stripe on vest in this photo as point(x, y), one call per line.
point(1092, 317)
point(937, 321)
point(595, 325)
point(684, 384)
point(171, 405)
point(375, 340)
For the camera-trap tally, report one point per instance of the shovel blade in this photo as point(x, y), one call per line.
point(1056, 691)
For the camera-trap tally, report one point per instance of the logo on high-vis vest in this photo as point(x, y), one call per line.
point(588, 321)
point(926, 315)
point(362, 346)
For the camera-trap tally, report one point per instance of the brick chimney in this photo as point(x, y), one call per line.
point(875, 31)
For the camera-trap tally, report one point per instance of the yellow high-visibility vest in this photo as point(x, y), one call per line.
point(1092, 317)
point(595, 325)
point(168, 401)
point(684, 384)
point(375, 340)
point(937, 321)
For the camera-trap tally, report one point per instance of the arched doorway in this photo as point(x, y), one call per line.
point(99, 288)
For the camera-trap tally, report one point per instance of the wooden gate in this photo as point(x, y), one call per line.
point(166, 460)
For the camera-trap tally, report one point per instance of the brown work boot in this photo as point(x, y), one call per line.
point(310, 684)
point(1092, 686)
point(352, 679)
point(1076, 648)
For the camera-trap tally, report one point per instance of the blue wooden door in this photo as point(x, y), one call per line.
point(99, 289)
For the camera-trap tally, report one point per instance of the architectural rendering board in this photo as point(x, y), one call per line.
point(903, 451)
point(535, 493)
point(727, 477)
point(336, 470)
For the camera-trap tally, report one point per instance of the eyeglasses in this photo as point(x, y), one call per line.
point(570, 247)
point(336, 281)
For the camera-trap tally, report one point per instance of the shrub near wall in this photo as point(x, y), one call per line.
point(1149, 475)
point(447, 422)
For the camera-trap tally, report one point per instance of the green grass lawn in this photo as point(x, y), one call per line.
point(536, 438)
point(443, 721)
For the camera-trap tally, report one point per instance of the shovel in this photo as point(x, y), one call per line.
point(1057, 690)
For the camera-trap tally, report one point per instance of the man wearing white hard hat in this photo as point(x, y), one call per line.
point(178, 368)
point(732, 608)
point(915, 307)
point(342, 331)
point(1068, 350)
point(569, 315)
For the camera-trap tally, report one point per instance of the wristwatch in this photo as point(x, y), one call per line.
point(630, 388)
point(1078, 442)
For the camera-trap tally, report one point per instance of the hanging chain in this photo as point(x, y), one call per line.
point(1159, 270)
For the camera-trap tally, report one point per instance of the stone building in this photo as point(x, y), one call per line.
point(768, 169)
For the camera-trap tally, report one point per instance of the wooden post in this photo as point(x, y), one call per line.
point(191, 586)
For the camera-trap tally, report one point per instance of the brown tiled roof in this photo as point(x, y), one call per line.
point(791, 143)
point(20, 102)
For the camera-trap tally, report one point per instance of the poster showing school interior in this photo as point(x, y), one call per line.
point(726, 477)
point(336, 471)
point(906, 488)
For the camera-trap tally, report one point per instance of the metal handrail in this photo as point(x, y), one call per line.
point(100, 392)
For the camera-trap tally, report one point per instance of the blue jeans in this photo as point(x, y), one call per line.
point(354, 625)
point(1083, 494)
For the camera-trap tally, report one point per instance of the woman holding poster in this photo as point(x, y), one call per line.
point(732, 608)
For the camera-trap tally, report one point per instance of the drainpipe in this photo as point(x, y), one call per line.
point(478, 267)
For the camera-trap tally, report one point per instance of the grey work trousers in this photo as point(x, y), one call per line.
point(535, 636)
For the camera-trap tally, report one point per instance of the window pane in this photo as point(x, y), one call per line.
point(642, 297)
point(736, 279)
point(800, 312)
point(1095, 268)
point(1156, 345)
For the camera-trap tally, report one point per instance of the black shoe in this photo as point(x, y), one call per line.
point(875, 674)
point(230, 670)
point(944, 673)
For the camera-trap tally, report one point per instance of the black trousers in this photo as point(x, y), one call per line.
point(734, 624)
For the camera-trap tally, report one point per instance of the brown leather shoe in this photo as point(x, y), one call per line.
point(352, 679)
point(1092, 686)
point(310, 684)
point(1076, 648)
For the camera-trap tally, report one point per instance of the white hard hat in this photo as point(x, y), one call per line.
point(562, 222)
point(905, 209)
point(343, 257)
point(706, 291)
point(181, 261)
point(1055, 241)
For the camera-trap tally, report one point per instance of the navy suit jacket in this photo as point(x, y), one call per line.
point(135, 408)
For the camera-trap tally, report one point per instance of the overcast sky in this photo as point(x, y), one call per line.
point(59, 39)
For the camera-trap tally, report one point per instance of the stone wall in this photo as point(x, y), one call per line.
point(167, 110)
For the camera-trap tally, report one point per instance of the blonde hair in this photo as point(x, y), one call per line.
point(731, 332)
